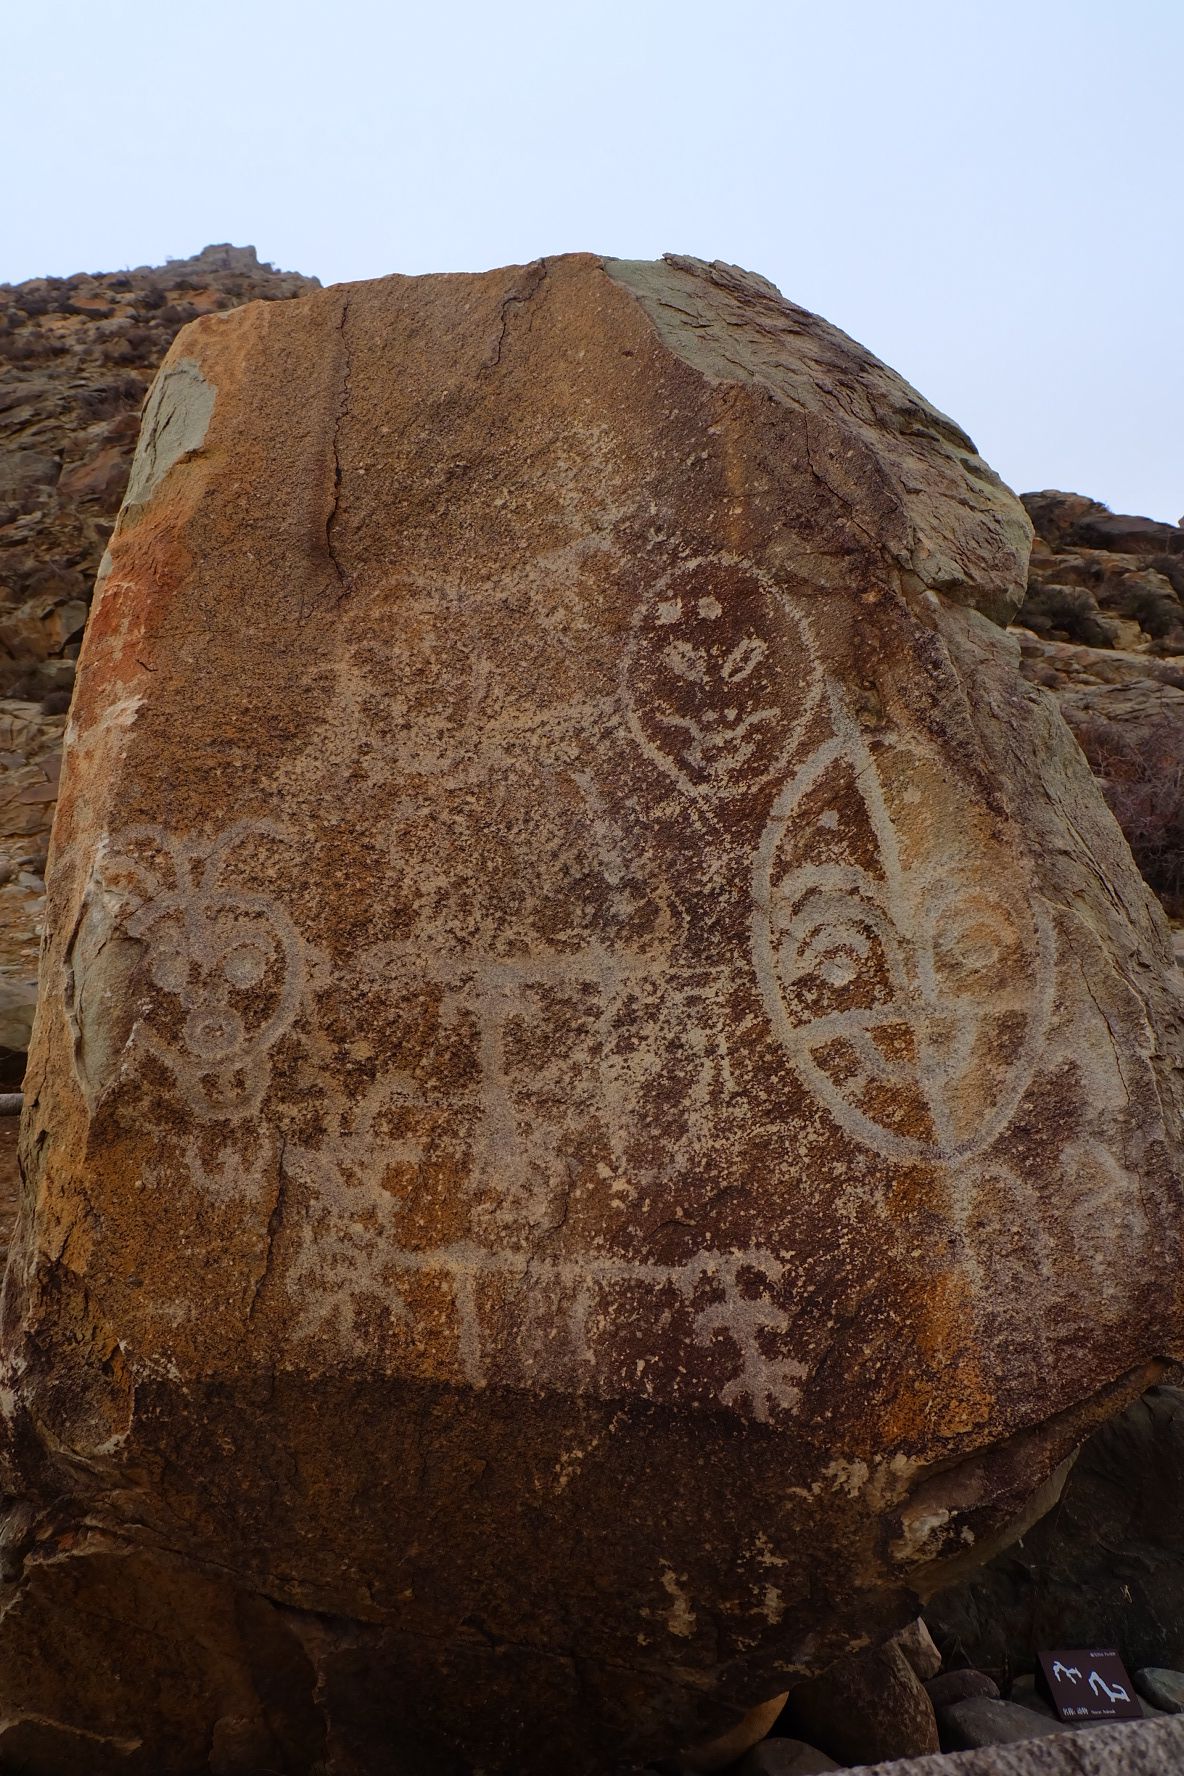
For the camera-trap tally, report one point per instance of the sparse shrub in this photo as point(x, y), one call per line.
point(1141, 773)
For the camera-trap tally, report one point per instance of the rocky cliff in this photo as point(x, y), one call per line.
point(76, 357)
point(1102, 626)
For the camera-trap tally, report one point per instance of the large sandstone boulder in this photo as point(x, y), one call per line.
point(603, 1113)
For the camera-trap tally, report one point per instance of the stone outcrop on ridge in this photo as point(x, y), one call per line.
point(1102, 627)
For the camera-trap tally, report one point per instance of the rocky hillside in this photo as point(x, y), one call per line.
point(1103, 628)
point(76, 357)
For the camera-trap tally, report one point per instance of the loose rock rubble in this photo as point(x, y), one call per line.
point(830, 1723)
point(1162, 1688)
point(1106, 1568)
point(1101, 579)
point(868, 1707)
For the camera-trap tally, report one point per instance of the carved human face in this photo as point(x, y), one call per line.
point(221, 964)
point(220, 970)
point(719, 678)
point(904, 967)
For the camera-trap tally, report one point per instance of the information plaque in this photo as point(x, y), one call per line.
point(1089, 1683)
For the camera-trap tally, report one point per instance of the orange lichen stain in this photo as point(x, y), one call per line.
point(942, 1395)
point(148, 563)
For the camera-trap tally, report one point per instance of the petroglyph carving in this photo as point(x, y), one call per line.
point(504, 1067)
point(720, 677)
point(912, 988)
point(517, 1313)
point(1103, 1203)
point(223, 963)
point(764, 1379)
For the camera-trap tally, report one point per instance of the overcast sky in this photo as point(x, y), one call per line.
point(988, 195)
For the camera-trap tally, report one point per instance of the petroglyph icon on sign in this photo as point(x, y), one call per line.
point(1089, 1684)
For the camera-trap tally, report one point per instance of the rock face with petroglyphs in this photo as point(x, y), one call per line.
point(603, 1114)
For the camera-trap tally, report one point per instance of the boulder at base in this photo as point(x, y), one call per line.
point(602, 1113)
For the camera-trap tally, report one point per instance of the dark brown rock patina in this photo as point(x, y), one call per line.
point(602, 1112)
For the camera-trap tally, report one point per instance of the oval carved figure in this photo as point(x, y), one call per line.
point(908, 979)
point(720, 677)
point(223, 963)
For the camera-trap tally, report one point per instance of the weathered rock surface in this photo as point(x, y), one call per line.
point(983, 1720)
point(1135, 1748)
point(1162, 1688)
point(1106, 1567)
point(785, 1757)
point(956, 1686)
point(1105, 594)
point(603, 1106)
point(919, 1648)
point(1102, 689)
point(1103, 579)
point(76, 357)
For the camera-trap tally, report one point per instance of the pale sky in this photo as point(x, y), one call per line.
point(987, 193)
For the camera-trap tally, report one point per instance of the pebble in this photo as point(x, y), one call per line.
point(982, 1720)
point(784, 1757)
point(958, 1686)
point(1163, 1688)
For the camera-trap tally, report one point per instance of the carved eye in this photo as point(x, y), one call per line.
point(976, 947)
point(170, 966)
point(744, 659)
point(685, 662)
point(841, 967)
point(245, 965)
point(980, 952)
point(836, 952)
